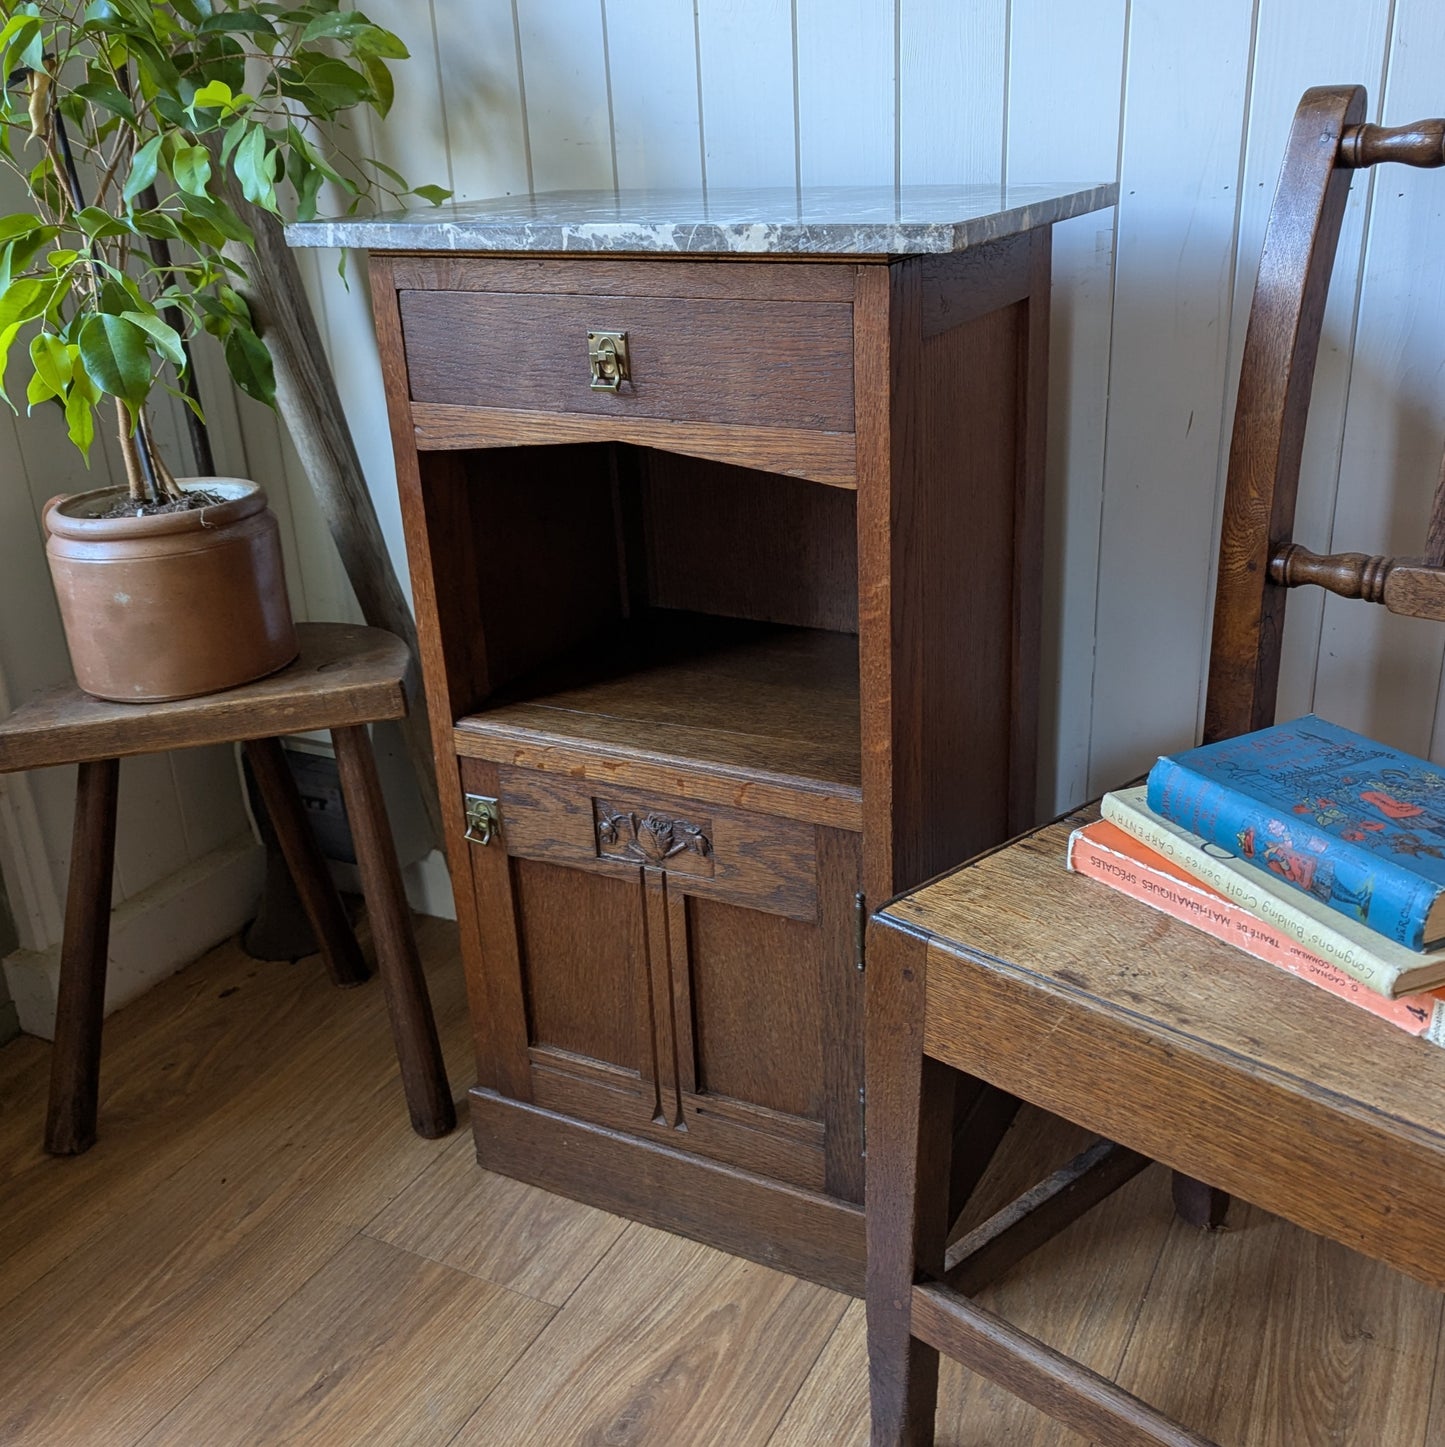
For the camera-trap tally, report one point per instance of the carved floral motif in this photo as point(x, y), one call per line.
point(648, 838)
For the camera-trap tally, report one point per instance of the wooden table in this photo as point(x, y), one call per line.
point(1058, 991)
point(724, 519)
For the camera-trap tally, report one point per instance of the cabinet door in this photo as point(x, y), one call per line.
point(677, 971)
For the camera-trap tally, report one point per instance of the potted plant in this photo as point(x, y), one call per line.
point(141, 131)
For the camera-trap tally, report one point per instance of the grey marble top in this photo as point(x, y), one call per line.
point(818, 220)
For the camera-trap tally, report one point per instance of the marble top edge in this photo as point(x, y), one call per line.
point(823, 220)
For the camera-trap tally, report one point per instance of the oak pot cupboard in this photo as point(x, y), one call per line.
point(726, 570)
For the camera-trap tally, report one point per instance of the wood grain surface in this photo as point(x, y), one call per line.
point(751, 363)
point(1332, 1120)
point(346, 674)
point(1259, 1335)
point(811, 454)
point(716, 1358)
point(606, 276)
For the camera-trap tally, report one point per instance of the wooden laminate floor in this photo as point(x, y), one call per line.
point(260, 1251)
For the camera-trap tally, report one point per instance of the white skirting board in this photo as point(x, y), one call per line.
point(159, 931)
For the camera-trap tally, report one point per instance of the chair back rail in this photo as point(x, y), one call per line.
point(1258, 559)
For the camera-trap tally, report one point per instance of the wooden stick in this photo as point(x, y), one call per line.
point(308, 401)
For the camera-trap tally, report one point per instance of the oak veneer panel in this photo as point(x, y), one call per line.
point(719, 1352)
point(379, 1347)
point(557, 581)
point(797, 1230)
point(949, 651)
point(1317, 1112)
point(754, 859)
point(567, 916)
point(952, 704)
point(757, 1005)
point(791, 552)
point(773, 709)
point(346, 674)
point(1263, 1335)
point(753, 363)
point(825, 457)
point(727, 1132)
point(759, 281)
point(503, 1231)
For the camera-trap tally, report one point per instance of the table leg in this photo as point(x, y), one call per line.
point(909, 1133)
point(303, 857)
point(75, 1057)
point(423, 1072)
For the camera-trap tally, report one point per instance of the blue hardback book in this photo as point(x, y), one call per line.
point(1356, 824)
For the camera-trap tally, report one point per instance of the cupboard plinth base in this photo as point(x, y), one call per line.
point(800, 1232)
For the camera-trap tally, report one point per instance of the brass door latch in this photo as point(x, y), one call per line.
point(607, 355)
point(484, 818)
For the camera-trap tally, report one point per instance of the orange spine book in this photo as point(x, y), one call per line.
point(1105, 852)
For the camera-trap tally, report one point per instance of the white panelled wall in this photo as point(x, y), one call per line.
point(1187, 105)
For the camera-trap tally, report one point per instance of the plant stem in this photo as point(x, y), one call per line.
point(160, 477)
point(130, 453)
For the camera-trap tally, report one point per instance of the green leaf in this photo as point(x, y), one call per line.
point(192, 169)
point(143, 167)
point(382, 86)
point(22, 43)
point(98, 224)
point(214, 95)
point(220, 216)
point(255, 167)
point(435, 194)
point(80, 420)
point(156, 223)
point(21, 225)
point(25, 300)
point(7, 336)
point(62, 260)
point(389, 172)
point(114, 355)
point(54, 362)
point(238, 22)
point(165, 338)
point(250, 364)
point(107, 97)
point(188, 400)
point(307, 188)
point(354, 29)
point(323, 83)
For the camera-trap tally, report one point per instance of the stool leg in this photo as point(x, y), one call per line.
point(1198, 1204)
point(423, 1073)
point(75, 1057)
point(909, 1130)
point(303, 858)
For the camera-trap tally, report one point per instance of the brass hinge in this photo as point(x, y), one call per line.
point(484, 818)
point(860, 928)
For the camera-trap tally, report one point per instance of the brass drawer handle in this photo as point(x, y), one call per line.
point(607, 355)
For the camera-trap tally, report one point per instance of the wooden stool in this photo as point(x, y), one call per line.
point(345, 678)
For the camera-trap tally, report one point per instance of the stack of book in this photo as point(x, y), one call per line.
point(1308, 846)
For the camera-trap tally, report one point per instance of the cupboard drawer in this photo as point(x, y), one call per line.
point(691, 359)
point(742, 858)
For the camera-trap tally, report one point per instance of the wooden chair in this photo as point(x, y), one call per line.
point(1011, 980)
point(344, 678)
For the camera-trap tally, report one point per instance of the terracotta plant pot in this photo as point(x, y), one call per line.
point(175, 604)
